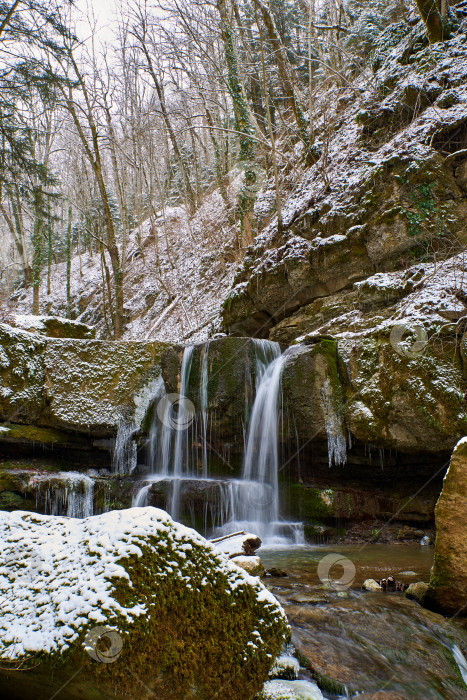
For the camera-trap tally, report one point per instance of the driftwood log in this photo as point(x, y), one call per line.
point(238, 544)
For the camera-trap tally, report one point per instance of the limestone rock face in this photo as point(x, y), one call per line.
point(448, 583)
point(313, 391)
point(180, 618)
point(392, 194)
point(81, 385)
point(392, 392)
point(90, 384)
point(22, 375)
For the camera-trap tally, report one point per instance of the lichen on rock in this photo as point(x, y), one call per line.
point(22, 375)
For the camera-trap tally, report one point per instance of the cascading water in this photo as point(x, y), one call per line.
point(255, 499)
point(179, 434)
point(203, 395)
point(65, 493)
point(124, 455)
point(256, 496)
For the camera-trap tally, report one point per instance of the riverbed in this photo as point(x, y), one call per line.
point(377, 645)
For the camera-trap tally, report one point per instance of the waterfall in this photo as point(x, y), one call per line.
point(179, 452)
point(125, 451)
point(203, 395)
point(65, 493)
point(257, 498)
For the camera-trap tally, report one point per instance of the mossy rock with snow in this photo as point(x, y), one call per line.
point(86, 386)
point(92, 384)
point(52, 326)
point(407, 403)
point(180, 618)
point(22, 375)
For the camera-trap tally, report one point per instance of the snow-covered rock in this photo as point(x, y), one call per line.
point(83, 385)
point(253, 565)
point(176, 611)
point(52, 326)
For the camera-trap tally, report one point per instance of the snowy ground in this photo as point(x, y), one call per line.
point(177, 274)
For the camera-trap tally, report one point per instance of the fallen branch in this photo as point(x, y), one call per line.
point(462, 152)
point(166, 311)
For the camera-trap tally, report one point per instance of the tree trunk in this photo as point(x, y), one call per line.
point(94, 156)
point(430, 11)
point(285, 72)
point(68, 263)
point(190, 193)
point(242, 124)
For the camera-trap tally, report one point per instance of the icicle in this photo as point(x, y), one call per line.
point(125, 451)
point(337, 443)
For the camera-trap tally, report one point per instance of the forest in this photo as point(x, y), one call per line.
point(101, 135)
point(233, 349)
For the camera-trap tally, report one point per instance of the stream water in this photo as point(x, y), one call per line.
point(371, 645)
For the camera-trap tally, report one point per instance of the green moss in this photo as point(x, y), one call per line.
point(191, 640)
point(313, 504)
point(9, 500)
point(36, 434)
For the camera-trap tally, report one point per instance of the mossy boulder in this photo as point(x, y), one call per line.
point(22, 375)
point(92, 384)
point(86, 386)
point(52, 326)
point(417, 591)
point(448, 582)
point(165, 614)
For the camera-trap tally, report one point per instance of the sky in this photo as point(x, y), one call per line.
point(105, 13)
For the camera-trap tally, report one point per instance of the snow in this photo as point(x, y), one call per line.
point(234, 545)
point(178, 262)
point(56, 573)
point(285, 663)
point(29, 322)
point(354, 163)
